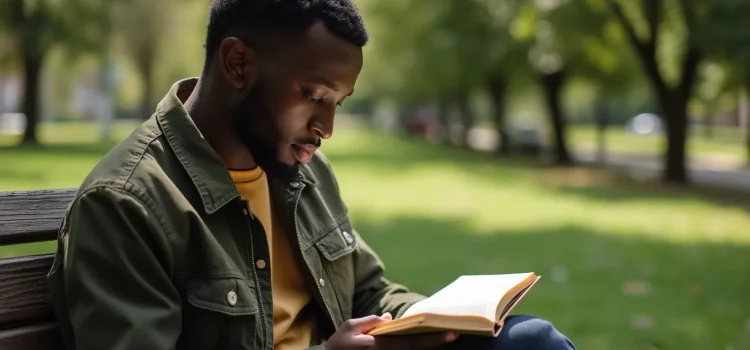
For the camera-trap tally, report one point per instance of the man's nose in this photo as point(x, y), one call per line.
point(322, 123)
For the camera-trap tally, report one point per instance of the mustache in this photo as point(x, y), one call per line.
point(316, 142)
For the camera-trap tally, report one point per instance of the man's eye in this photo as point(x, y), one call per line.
point(309, 95)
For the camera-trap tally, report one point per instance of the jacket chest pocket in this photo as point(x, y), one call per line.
point(335, 248)
point(220, 313)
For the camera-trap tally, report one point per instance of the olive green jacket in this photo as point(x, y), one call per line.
point(158, 251)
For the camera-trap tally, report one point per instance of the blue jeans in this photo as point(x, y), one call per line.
point(519, 332)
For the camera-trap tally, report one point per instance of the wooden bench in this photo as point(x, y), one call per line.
point(27, 320)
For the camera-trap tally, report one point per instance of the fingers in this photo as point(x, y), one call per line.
point(365, 324)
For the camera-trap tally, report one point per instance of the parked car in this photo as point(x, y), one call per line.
point(644, 124)
point(528, 140)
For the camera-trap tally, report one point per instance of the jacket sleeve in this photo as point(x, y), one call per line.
point(374, 294)
point(117, 288)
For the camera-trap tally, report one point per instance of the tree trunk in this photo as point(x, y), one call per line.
point(675, 113)
point(497, 87)
point(553, 84)
point(32, 65)
point(744, 108)
point(443, 112)
point(673, 103)
point(444, 118)
point(106, 90)
point(602, 122)
point(708, 122)
point(467, 117)
point(405, 114)
point(147, 73)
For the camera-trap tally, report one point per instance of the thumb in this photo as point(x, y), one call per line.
point(365, 324)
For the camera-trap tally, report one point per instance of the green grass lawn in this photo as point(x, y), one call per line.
point(624, 266)
point(726, 144)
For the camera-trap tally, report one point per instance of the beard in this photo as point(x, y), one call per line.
point(254, 125)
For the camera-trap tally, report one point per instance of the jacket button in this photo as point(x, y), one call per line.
point(232, 298)
point(322, 282)
point(261, 264)
point(244, 211)
point(348, 237)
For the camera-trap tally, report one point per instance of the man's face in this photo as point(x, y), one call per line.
point(290, 106)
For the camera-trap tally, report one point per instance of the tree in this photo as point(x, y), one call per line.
point(36, 27)
point(557, 32)
point(141, 28)
point(107, 71)
point(439, 55)
point(506, 54)
point(729, 22)
point(713, 84)
point(609, 65)
point(672, 98)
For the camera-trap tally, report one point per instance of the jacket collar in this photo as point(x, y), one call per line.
point(204, 166)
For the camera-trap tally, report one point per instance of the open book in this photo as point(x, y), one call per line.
point(475, 305)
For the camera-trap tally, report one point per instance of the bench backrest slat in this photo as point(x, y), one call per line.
point(24, 297)
point(27, 319)
point(32, 216)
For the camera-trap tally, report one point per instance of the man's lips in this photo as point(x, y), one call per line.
point(304, 153)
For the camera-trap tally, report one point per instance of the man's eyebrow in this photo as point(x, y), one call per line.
point(326, 82)
point(329, 84)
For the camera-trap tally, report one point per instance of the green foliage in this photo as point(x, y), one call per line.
point(7, 48)
point(141, 26)
point(152, 35)
point(717, 29)
point(730, 25)
point(35, 26)
point(437, 47)
point(429, 49)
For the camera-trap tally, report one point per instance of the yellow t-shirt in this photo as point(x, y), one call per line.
point(292, 327)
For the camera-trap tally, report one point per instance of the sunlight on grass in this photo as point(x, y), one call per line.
point(72, 132)
point(499, 199)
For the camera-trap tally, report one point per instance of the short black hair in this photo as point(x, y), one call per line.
point(340, 17)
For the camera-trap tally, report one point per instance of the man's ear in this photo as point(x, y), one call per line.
point(238, 63)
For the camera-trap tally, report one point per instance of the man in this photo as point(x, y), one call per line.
point(217, 225)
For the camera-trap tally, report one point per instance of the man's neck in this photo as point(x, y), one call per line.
point(213, 118)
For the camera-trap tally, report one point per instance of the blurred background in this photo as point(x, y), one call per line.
point(600, 143)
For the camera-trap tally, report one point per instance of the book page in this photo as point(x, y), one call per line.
point(512, 302)
point(475, 295)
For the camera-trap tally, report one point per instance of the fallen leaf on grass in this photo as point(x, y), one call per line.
point(559, 274)
point(694, 289)
point(642, 322)
point(635, 287)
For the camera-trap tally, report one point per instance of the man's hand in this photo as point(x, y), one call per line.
point(352, 336)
